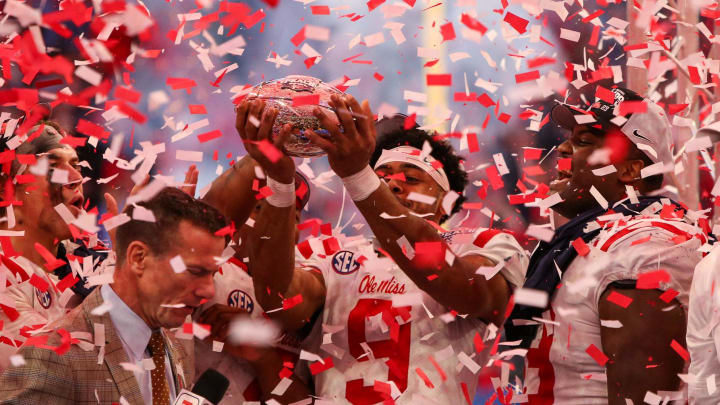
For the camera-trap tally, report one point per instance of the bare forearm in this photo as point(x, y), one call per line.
point(272, 257)
point(653, 366)
point(456, 286)
point(267, 371)
point(232, 193)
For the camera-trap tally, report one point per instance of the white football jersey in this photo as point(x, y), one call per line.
point(703, 335)
point(565, 363)
point(382, 334)
point(29, 302)
point(234, 287)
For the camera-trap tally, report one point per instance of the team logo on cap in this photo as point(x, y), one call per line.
point(636, 133)
point(44, 298)
point(241, 299)
point(344, 262)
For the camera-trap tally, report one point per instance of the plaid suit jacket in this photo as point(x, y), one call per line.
point(84, 376)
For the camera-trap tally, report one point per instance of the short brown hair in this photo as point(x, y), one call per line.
point(170, 206)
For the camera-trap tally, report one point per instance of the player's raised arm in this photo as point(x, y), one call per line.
point(398, 216)
point(231, 193)
point(289, 294)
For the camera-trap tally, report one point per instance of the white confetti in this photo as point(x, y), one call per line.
point(177, 264)
point(531, 297)
point(599, 197)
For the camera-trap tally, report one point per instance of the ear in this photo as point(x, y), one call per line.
point(629, 171)
point(439, 202)
point(137, 256)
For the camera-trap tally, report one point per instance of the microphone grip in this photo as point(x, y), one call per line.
point(186, 397)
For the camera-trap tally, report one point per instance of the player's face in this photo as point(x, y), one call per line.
point(588, 150)
point(404, 178)
point(41, 196)
point(162, 290)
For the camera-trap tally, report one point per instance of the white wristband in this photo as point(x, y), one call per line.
point(283, 195)
point(361, 184)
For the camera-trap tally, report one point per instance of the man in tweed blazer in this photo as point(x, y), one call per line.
point(75, 377)
point(99, 352)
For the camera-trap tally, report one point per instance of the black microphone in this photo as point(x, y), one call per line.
point(209, 389)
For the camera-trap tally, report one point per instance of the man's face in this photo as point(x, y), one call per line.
point(41, 196)
point(574, 184)
point(160, 288)
point(415, 180)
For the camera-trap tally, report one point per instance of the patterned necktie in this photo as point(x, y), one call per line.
point(160, 393)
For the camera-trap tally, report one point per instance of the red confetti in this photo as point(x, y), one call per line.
point(305, 249)
point(197, 109)
point(462, 97)
point(485, 100)
point(581, 247)
point(373, 4)
point(641, 241)
point(73, 141)
point(444, 79)
point(88, 128)
point(605, 95)
point(424, 377)
point(39, 283)
point(564, 164)
point(310, 99)
point(209, 136)
point(447, 31)
point(178, 83)
point(378, 76)
point(127, 94)
point(694, 75)
point(269, 150)
point(540, 61)
point(331, 245)
point(597, 355)
point(676, 108)
point(298, 38)
point(472, 141)
point(494, 176)
point(594, 36)
point(291, 302)
point(669, 295)
point(619, 299)
point(528, 76)
point(652, 279)
point(679, 349)
point(320, 10)
point(631, 107)
point(518, 23)
point(532, 153)
point(473, 24)
point(410, 121)
point(318, 367)
point(593, 16)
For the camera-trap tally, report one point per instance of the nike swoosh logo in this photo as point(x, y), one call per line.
point(636, 133)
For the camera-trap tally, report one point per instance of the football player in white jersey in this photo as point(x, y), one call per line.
point(618, 273)
point(405, 328)
point(29, 292)
point(253, 372)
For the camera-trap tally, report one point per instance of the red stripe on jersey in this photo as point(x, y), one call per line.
point(485, 237)
point(626, 231)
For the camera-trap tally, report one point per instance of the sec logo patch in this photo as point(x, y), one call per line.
point(241, 299)
point(44, 298)
point(344, 262)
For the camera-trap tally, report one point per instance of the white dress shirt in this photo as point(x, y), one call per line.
point(135, 336)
